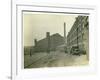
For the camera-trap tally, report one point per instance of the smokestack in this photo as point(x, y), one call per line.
point(65, 32)
point(35, 42)
point(47, 34)
point(35, 45)
point(48, 41)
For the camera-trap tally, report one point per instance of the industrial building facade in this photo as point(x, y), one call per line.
point(79, 34)
point(49, 43)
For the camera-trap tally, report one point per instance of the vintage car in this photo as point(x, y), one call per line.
point(75, 50)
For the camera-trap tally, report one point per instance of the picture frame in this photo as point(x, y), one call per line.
point(17, 68)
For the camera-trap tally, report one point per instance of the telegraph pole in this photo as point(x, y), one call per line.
point(77, 36)
point(64, 33)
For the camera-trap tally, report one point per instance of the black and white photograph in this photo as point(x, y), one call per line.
point(53, 39)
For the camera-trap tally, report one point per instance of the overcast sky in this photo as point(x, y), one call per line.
point(36, 25)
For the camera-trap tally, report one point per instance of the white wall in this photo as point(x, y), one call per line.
point(5, 31)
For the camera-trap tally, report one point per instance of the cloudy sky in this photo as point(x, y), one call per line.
point(36, 25)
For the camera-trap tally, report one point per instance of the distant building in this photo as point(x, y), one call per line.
point(79, 34)
point(49, 43)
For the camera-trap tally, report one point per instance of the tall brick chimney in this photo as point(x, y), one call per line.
point(35, 45)
point(35, 42)
point(48, 41)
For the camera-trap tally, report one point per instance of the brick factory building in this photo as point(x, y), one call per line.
point(79, 34)
point(49, 43)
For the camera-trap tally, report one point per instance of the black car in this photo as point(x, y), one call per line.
point(75, 50)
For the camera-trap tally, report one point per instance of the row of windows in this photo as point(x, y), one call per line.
point(79, 21)
point(76, 40)
point(77, 30)
point(74, 34)
point(80, 27)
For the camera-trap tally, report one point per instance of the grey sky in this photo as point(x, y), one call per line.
point(36, 25)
